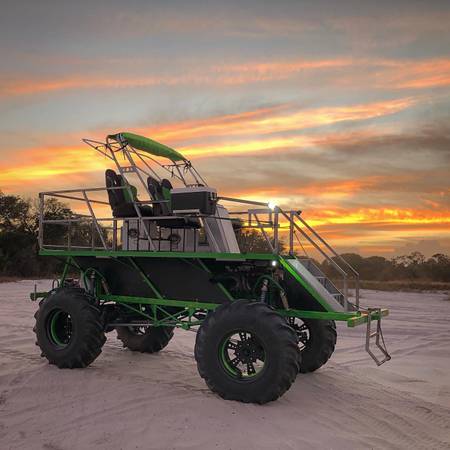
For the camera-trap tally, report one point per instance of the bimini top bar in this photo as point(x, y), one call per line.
point(146, 145)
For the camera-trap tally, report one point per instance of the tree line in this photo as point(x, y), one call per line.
point(19, 225)
point(412, 267)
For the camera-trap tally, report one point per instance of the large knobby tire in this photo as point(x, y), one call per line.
point(317, 340)
point(146, 340)
point(69, 328)
point(245, 351)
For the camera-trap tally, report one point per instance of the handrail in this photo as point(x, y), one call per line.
point(293, 227)
point(355, 273)
point(67, 191)
point(325, 243)
point(261, 227)
point(95, 222)
point(239, 200)
point(260, 223)
point(338, 268)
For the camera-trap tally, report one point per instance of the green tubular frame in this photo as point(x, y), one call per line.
point(189, 307)
point(160, 315)
point(150, 254)
point(184, 318)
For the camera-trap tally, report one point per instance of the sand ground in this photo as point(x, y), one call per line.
point(135, 401)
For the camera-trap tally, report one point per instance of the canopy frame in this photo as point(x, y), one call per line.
point(142, 163)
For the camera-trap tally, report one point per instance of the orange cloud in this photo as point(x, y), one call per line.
point(42, 163)
point(25, 87)
point(222, 75)
point(275, 70)
point(381, 73)
point(272, 120)
point(419, 75)
point(328, 189)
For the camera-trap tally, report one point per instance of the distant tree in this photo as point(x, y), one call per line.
point(253, 241)
point(414, 266)
point(410, 267)
point(355, 260)
point(19, 223)
point(15, 213)
point(438, 267)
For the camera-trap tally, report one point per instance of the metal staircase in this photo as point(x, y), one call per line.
point(325, 287)
point(323, 280)
point(314, 277)
point(335, 299)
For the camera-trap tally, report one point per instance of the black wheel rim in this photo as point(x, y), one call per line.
point(302, 332)
point(242, 355)
point(59, 328)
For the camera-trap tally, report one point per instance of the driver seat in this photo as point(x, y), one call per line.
point(120, 200)
point(160, 191)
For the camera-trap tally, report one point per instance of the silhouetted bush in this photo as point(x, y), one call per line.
point(413, 267)
point(19, 224)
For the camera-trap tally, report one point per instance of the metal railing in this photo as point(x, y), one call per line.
point(298, 225)
point(104, 231)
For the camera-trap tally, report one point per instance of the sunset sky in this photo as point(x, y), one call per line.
point(338, 108)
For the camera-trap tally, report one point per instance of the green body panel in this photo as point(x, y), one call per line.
point(221, 286)
point(151, 146)
point(145, 278)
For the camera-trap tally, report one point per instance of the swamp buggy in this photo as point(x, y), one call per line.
point(176, 256)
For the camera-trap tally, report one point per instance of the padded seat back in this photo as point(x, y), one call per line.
point(160, 192)
point(116, 196)
point(121, 200)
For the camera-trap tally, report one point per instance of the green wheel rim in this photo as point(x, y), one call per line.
point(59, 328)
point(242, 355)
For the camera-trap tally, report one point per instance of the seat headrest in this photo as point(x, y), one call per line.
point(112, 179)
point(152, 181)
point(165, 183)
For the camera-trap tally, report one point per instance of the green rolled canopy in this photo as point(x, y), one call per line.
point(149, 146)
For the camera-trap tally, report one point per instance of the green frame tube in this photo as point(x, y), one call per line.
point(184, 318)
point(190, 306)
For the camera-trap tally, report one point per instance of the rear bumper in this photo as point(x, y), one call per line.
point(363, 316)
point(353, 318)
